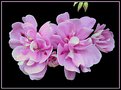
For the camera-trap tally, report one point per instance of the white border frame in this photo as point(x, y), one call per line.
point(59, 87)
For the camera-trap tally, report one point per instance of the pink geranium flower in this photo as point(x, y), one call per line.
point(103, 39)
point(31, 48)
point(76, 49)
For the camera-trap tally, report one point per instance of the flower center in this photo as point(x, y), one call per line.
point(30, 38)
point(74, 40)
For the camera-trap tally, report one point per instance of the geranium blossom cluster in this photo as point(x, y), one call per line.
point(71, 43)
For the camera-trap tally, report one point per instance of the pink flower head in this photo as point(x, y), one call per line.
point(31, 48)
point(76, 49)
point(103, 39)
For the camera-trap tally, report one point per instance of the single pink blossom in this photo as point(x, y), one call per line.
point(103, 39)
point(76, 49)
point(31, 48)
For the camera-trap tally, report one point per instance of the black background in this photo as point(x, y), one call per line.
point(104, 74)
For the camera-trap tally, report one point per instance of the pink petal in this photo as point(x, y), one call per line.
point(43, 44)
point(61, 56)
point(38, 36)
point(87, 22)
point(46, 31)
point(102, 44)
point(24, 41)
point(107, 46)
point(28, 26)
point(70, 55)
point(98, 34)
point(29, 63)
point(111, 45)
point(79, 30)
point(17, 25)
point(33, 56)
point(30, 19)
point(69, 75)
point(16, 31)
point(66, 29)
point(78, 59)
point(53, 27)
point(44, 55)
point(14, 43)
point(107, 34)
point(36, 68)
point(85, 69)
point(33, 46)
point(61, 33)
point(83, 44)
point(20, 53)
point(55, 40)
point(69, 65)
point(76, 25)
point(84, 32)
point(21, 67)
point(100, 27)
point(62, 17)
point(39, 75)
point(52, 60)
point(31, 34)
point(91, 56)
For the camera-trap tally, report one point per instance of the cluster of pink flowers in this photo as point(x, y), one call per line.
point(71, 43)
